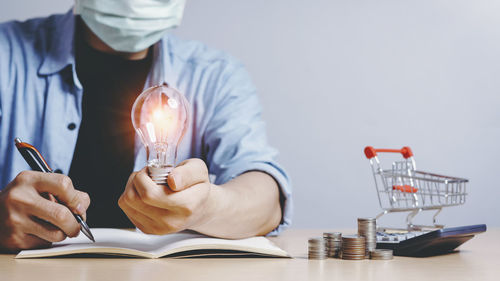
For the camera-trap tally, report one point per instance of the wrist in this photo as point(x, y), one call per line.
point(214, 205)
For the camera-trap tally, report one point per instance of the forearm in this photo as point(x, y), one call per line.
point(246, 206)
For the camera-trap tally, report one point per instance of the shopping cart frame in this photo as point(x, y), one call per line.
point(406, 189)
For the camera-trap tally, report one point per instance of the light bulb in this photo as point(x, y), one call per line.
point(160, 116)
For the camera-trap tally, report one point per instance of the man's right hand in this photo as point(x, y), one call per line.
point(30, 216)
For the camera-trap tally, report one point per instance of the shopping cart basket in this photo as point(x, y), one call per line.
point(406, 189)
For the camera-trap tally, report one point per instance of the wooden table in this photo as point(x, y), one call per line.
point(478, 259)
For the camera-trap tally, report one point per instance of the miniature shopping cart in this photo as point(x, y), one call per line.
point(403, 188)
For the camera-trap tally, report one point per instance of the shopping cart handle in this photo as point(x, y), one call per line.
point(371, 152)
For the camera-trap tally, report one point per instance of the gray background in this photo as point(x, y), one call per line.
point(335, 76)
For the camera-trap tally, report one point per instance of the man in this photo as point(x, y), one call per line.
point(67, 84)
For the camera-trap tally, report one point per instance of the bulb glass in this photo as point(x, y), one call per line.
point(160, 116)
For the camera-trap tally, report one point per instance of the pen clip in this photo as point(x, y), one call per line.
point(33, 157)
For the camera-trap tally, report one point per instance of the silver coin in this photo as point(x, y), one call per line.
point(332, 235)
point(362, 257)
point(367, 227)
point(317, 257)
point(316, 240)
point(381, 254)
point(353, 247)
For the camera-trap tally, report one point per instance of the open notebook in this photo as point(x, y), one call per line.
point(118, 242)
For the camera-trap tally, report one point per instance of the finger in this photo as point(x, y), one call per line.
point(126, 199)
point(48, 196)
point(141, 221)
point(58, 185)
point(133, 200)
point(159, 218)
point(56, 214)
point(149, 192)
point(187, 174)
point(163, 198)
point(84, 205)
point(137, 223)
point(188, 197)
point(129, 185)
point(148, 225)
point(51, 197)
point(43, 230)
point(132, 177)
point(23, 241)
point(31, 241)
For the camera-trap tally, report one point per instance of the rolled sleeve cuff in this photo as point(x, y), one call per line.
point(283, 182)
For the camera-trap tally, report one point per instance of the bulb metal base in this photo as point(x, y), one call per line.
point(159, 174)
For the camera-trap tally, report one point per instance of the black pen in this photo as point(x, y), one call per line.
point(37, 163)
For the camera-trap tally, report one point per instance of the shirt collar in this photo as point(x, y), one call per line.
point(59, 48)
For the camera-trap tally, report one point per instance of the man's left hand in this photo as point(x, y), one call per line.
point(157, 209)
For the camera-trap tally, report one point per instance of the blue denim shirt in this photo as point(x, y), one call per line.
point(40, 95)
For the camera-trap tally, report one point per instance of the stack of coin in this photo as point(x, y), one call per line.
point(333, 243)
point(367, 227)
point(317, 248)
point(381, 254)
point(353, 247)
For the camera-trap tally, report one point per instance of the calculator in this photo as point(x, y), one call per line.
point(427, 243)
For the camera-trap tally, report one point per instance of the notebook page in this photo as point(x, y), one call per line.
point(254, 244)
point(108, 238)
point(127, 242)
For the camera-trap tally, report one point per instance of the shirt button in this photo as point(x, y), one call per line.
point(71, 126)
point(59, 171)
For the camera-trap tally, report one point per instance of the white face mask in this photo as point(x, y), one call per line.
point(130, 25)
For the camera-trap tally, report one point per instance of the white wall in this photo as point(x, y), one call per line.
point(335, 76)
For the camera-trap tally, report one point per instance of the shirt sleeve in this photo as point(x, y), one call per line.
point(236, 141)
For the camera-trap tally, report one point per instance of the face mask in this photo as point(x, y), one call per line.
point(130, 25)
